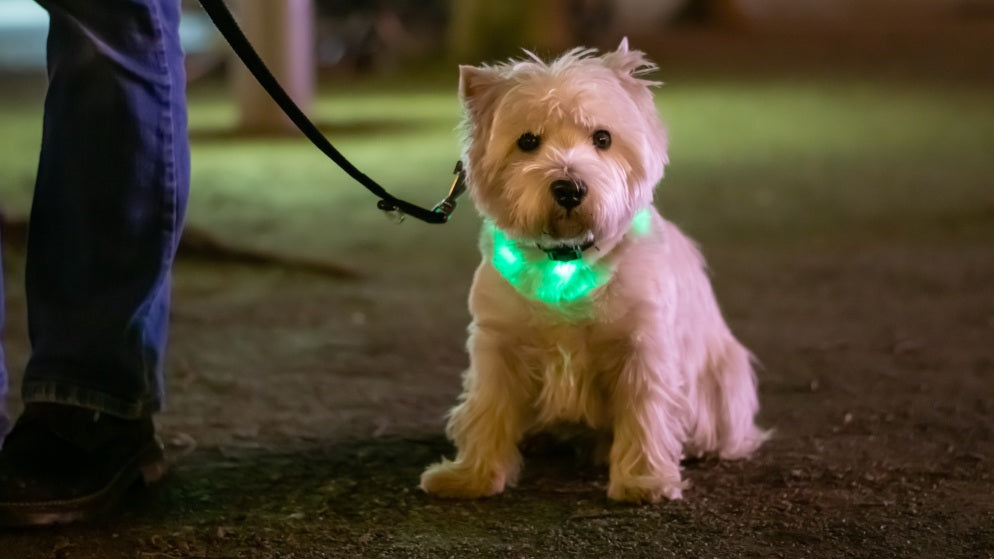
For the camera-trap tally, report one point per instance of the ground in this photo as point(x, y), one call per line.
point(845, 202)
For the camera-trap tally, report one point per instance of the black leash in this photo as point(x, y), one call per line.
point(226, 24)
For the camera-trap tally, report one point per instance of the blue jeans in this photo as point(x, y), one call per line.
point(109, 200)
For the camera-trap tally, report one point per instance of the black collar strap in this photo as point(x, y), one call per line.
point(569, 252)
point(226, 24)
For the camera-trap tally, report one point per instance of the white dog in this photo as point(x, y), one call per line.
point(588, 307)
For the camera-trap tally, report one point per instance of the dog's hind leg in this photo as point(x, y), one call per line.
point(726, 405)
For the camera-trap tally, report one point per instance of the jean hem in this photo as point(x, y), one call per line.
point(84, 397)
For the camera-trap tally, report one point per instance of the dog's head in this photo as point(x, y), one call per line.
point(563, 153)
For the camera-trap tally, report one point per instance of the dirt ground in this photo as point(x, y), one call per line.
point(303, 407)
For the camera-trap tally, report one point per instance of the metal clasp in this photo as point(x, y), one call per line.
point(448, 204)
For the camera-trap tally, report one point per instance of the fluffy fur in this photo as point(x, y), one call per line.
point(646, 359)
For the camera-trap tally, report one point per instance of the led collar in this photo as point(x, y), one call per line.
point(554, 280)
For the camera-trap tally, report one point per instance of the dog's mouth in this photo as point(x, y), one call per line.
point(565, 250)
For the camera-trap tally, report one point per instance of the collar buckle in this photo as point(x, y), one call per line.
point(568, 253)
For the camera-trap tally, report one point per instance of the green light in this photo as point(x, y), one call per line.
point(642, 223)
point(564, 271)
point(506, 255)
point(552, 281)
point(543, 279)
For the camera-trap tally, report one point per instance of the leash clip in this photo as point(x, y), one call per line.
point(448, 204)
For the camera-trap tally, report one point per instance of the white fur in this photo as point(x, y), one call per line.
point(647, 359)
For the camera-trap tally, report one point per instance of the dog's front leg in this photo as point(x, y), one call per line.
point(486, 427)
point(645, 454)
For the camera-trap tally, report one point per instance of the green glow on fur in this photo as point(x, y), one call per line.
point(642, 223)
point(548, 280)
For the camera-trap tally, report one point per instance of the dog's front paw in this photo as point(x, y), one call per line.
point(644, 489)
point(457, 480)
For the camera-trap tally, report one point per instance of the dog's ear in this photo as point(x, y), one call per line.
point(629, 64)
point(477, 88)
point(473, 80)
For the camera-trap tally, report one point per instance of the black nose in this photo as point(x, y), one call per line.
point(568, 194)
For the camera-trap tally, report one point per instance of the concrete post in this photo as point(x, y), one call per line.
point(282, 32)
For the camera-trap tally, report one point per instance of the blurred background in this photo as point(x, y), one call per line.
point(363, 36)
point(846, 91)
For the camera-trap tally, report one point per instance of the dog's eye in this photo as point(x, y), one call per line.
point(602, 139)
point(528, 142)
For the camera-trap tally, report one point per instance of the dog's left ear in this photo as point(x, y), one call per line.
point(629, 64)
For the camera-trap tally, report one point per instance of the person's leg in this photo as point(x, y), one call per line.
point(4, 383)
point(108, 205)
point(111, 190)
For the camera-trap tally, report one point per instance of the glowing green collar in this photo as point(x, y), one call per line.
point(550, 281)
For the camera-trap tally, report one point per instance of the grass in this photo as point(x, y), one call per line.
point(746, 155)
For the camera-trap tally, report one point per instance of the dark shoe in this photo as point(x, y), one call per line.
point(63, 464)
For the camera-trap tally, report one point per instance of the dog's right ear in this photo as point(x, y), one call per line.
point(477, 89)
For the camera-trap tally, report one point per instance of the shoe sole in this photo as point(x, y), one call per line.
point(147, 466)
